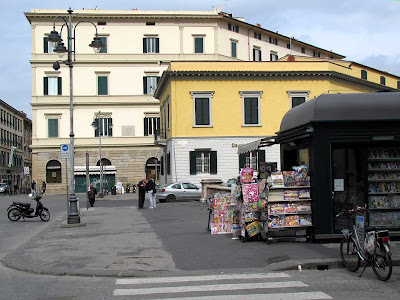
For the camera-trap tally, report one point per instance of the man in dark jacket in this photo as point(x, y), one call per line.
point(142, 192)
point(151, 189)
point(92, 194)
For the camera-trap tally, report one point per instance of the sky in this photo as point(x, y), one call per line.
point(365, 31)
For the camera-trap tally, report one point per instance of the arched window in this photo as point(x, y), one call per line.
point(153, 168)
point(104, 161)
point(53, 171)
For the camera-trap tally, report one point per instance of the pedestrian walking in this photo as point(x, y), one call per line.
point(16, 188)
point(33, 187)
point(142, 192)
point(92, 194)
point(151, 189)
point(44, 187)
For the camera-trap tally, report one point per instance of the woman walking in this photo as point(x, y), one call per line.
point(151, 189)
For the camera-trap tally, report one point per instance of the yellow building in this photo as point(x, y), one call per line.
point(209, 108)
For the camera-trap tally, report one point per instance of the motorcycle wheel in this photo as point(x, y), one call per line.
point(14, 214)
point(44, 215)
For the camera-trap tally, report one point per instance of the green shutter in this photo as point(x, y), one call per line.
point(168, 163)
point(202, 111)
point(242, 160)
point(192, 157)
point(213, 162)
point(251, 110)
point(158, 125)
point(104, 42)
point(234, 54)
point(162, 165)
point(53, 128)
point(146, 127)
point(102, 88)
point(110, 127)
point(46, 45)
point(144, 85)
point(157, 45)
point(144, 45)
point(198, 45)
point(261, 157)
point(254, 54)
point(59, 85)
point(96, 130)
point(45, 85)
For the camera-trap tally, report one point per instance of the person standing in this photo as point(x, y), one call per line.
point(142, 192)
point(16, 188)
point(44, 187)
point(92, 194)
point(33, 187)
point(151, 189)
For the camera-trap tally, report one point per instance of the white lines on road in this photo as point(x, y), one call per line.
point(200, 278)
point(207, 288)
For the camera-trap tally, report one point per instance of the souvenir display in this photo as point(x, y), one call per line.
point(254, 228)
point(288, 178)
point(277, 179)
point(246, 175)
point(250, 193)
point(301, 175)
point(224, 213)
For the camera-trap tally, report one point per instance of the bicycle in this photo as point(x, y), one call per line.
point(374, 250)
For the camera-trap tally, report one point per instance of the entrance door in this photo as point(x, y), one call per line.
point(348, 165)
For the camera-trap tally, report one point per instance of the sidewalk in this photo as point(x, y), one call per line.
point(121, 240)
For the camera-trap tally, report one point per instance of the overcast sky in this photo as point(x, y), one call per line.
point(365, 31)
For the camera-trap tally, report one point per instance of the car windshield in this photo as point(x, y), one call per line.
point(2, 184)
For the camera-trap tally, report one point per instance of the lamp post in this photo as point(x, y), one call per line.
point(60, 49)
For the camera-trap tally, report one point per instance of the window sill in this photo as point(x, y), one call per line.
point(251, 125)
point(202, 126)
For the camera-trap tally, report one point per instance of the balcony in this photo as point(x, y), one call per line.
point(160, 138)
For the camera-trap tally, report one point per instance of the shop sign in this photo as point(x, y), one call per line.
point(338, 185)
point(26, 170)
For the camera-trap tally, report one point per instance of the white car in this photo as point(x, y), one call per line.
point(178, 191)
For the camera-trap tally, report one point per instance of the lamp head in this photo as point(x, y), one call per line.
point(56, 66)
point(96, 44)
point(60, 49)
point(54, 38)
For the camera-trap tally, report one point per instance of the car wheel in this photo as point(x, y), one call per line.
point(171, 198)
point(161, 200)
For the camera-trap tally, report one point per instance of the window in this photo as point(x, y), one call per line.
point(150, 84)
point(102, 85)
point(252, 159)
point(364, 74)
point(53, 172)
point(398, 84)
point(150, 23)
point(273, 40)
point(257, 35)
point(316, 54)
point(256, 54)
point(203, 162)
point(232, 27)
point(47, 46)
point(298, 97)
point(151, 125)
point(52, 86)
point(303, 50)
point(289, 45)
point(52, 125)
point(251, 108)
point(104, 42)
point(151, 45)
point(198, 45)
point(176, 186)
point(189, 186)
point(383, 80)
point(202, 116)
point(104, 127)
point(101, 23)
point(273, 56)
point(234, 49)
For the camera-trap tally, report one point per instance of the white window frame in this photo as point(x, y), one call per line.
point(251, 94)
point(275, 54)
point(201, 166)
point(206, 94)
point(292, 94)
point(257, 50)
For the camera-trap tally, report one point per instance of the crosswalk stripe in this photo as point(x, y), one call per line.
point(200, 278)
point(276, 296)
point(208, 288)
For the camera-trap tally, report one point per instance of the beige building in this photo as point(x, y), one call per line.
point(15, 140)
point(121, 79)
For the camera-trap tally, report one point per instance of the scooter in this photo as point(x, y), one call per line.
point(133, 188)
point(16, 210)
point(128, 188)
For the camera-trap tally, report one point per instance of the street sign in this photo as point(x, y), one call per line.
point(65, 151)
point(26, 170)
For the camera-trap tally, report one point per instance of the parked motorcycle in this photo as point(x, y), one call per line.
point(133, 188)
point(16, 210)
point(128, 188)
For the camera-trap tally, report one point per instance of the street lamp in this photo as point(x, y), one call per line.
point(60, 49)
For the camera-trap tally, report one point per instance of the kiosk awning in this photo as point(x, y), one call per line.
point(81, 170)
point(264, 142)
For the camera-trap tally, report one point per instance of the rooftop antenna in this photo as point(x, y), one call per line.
point(226, 8)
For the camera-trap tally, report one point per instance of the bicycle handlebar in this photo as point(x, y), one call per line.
point(352, 211)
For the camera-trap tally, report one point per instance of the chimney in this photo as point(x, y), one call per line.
point(258, 25)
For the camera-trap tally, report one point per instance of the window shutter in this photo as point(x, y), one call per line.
point(59, 85)
point(45, 85)
point(198, 45)
point(260, 56)
point(261, 157)
point(96, 130)
point(53, 128)
point(242, 160)
point(168, 163)
point(102, 85)
point(144, 45)
point(110, 128)
point(202, 111)
point(213, 162)
point(158, 125)
point(229, 26)
point(144, 85)
point(146, 126)
point(247, 111)
point(162, 165)
point(157, 45)
point(104, 41)
point(192, 157)
point(254, 54)
point(46, 45)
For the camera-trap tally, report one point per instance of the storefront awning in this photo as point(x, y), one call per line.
point(94, 170)
point(253, 146)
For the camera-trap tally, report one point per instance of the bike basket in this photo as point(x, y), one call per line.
point(370, 242)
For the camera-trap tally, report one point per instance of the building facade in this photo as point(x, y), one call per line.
point(209, 109)
point(15, 140)
point(116, 85)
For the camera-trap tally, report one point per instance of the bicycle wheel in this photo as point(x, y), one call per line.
point(348, 252)
point(382, 264)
